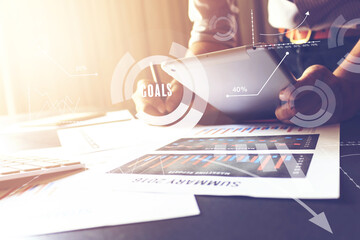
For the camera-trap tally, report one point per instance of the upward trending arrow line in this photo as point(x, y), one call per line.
point(274, 34)
point(256, 94)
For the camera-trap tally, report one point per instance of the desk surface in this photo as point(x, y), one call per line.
point(254, 218)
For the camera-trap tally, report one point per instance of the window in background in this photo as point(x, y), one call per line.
point(59, 55)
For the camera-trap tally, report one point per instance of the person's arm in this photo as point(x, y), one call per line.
point(345, 85)
point(205, 47)
point(211, 19)
point(202, 13)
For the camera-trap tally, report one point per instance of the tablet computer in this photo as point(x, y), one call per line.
point(244, 82)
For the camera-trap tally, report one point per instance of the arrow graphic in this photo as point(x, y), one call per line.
point(256, 94)
point(317, 219)
point(274, 34)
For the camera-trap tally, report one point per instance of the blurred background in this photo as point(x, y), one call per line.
point(58, 56)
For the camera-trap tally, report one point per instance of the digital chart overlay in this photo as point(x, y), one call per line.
point(262, 165)
point(293, 142)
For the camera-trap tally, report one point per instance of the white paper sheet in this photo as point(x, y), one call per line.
point(127, 134)
point(60, 207)
point(308, 173)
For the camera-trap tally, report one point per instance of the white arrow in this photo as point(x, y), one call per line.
point(274, 34)
point(321, 220)
point(256, 94)
point(318, 219)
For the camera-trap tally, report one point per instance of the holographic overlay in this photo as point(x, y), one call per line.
point(185, 115)
point(326, 111)
point(231, 22)
point(336, 38)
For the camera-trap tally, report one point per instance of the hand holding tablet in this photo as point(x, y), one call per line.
point(244, 83)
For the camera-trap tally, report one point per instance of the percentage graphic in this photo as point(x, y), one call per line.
point(240, 89)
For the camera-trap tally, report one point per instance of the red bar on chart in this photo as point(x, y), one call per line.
point(145, 163)
point(200, 159)
point(235, 130)
point(161, 162)
point(280, 162)
point(140, 160)
point(217, 131)
point(191, 157)
point(252, 130)
point(239, 158)
point(174, 161)
point(201, 131)
point(245, 129)
point(135, 163)
point(226, 130)
point(263, 164)
point(227, 158)
point(211, 161)
point(253, 159)
point(207, 132)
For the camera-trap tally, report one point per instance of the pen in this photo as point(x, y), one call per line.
point(155, 77)
point(154, 74)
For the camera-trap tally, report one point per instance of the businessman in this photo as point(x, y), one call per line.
point(307, 64)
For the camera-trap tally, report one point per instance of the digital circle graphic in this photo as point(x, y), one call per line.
point(231, 22)
point(191, 108)
point(326, 111)
point(336, 38)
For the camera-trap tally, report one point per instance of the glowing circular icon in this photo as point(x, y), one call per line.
point(190, 109)
point(326, 111)
point(231, 22)
point(336, 38)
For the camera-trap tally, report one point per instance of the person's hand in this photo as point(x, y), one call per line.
point(308, 103)
point(157, 106)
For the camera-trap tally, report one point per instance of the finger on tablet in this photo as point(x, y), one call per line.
point(284, 113)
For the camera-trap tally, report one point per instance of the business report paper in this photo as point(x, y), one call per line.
point(266, 160)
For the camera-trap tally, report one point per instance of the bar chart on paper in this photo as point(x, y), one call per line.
point(245, 129)
point(262, 165)
point(292, 142)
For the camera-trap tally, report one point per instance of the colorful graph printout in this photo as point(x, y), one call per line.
point(301, 142)
point(262, 165)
